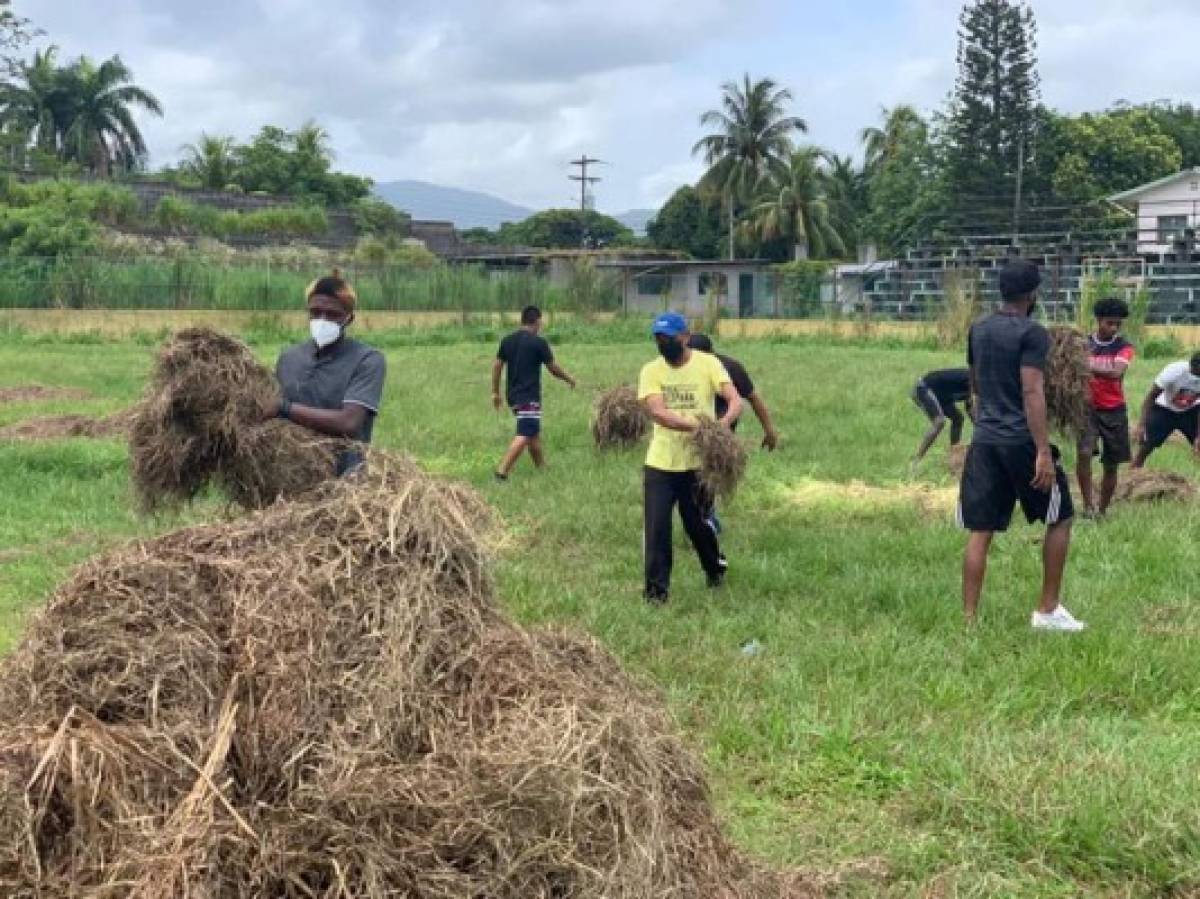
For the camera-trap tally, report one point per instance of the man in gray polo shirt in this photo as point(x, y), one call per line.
point(332, 384)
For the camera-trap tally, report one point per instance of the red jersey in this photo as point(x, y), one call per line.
point(1108, 394)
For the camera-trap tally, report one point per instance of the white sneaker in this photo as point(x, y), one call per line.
point(1058, 620)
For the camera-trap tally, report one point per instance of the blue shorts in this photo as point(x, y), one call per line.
point(529, 420)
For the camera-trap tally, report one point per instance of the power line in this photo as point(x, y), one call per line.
point(583, 178)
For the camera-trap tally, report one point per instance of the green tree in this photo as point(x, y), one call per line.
point(101, 133)
point(15, 32)
point(34, 106)
point(794, 207)
point(901, 125)
point(298, 164)
point(989, 126)
point(1093, 155)
point(1180, 121)
point(210, 161)
point(690, 221)
point(845, 188)
point(566, 229)
point(902, 189)
point(751, 138)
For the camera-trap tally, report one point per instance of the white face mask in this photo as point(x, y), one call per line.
point(324, 332)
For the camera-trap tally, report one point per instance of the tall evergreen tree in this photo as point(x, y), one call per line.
point(992, 120)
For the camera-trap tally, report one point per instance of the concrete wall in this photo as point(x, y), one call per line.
point(685, 293)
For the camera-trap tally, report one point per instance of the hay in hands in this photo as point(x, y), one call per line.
point(1068, 374)
point(619, 420)
point(201, 422)
point(723, 459)
point(1142, 486)
point(323, 698)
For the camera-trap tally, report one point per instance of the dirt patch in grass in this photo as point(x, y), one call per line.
point(859, 498)
point(59, 427)
point(1146, 486)
point(34, 393)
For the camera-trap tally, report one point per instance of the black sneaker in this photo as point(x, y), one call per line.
point(655, 597)
point(716, 580)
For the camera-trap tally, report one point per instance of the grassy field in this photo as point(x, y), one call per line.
point(871, 726)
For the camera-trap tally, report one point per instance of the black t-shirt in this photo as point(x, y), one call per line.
point(524, 354)
point(949, 385)
point(998, 347)
point(741, 383)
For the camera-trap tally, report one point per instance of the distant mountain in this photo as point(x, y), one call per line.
point(466, 208)
point(473, 208)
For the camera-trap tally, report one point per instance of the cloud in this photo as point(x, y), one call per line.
point(499, 95)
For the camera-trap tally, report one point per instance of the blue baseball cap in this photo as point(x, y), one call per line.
point(669, 324)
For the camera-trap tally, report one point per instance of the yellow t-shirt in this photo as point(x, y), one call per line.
point(691, 391)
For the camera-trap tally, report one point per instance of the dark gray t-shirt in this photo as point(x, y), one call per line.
point(347, 372)
point(998, 347)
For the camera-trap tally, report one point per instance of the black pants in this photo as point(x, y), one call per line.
point(662, 490)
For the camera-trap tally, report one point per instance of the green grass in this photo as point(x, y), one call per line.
point(872, 725)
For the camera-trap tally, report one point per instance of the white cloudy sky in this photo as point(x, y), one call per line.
point(498, 95)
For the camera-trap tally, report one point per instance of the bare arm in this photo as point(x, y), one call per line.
point(657, 407)
point(1139, 430)
point(770, 436)
point(733, 398)
point(1033, 389)
point(344, 422)
point(555, 369)
point(497, 368)
point(1112, 368)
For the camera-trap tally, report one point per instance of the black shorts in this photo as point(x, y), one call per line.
point(996, 478)
point(1162, 423)
point(1107, 428)
point(529, 420)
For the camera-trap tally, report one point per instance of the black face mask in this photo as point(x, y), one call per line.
point(672, 350)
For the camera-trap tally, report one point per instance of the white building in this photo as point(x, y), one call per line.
point(1164, 209)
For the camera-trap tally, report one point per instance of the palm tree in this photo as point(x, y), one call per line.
point(751, 139)
point(845, 188)
point(881, 145)
point(210, 160)
point(35, 107)
point(313, 141)
point(794, 206)
point(102, 132)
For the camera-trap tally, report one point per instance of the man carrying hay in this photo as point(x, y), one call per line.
point(1108, 422)
point(747, 391)
point(332, 384)
point(678, 390)
point(937, 394)
point(523, 353)
point(1011, 458)
point(1173, 404)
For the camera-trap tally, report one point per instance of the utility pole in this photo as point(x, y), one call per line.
point(584, 180)
point(1017, 199)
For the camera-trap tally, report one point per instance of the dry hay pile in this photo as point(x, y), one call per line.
point(58, 427)
point(723, 459)
point(1068, 374)
point(618, 419)
point(1142, 486)
point(201, 422)
point(323, 700)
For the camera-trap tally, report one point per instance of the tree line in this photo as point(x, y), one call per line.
point(993, 151)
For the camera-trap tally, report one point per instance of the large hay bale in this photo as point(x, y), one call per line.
point(619, 420)
point(1143, 486)
point(201, 422)
point(1068, 373)
point(323, 699)
point(723, 459)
